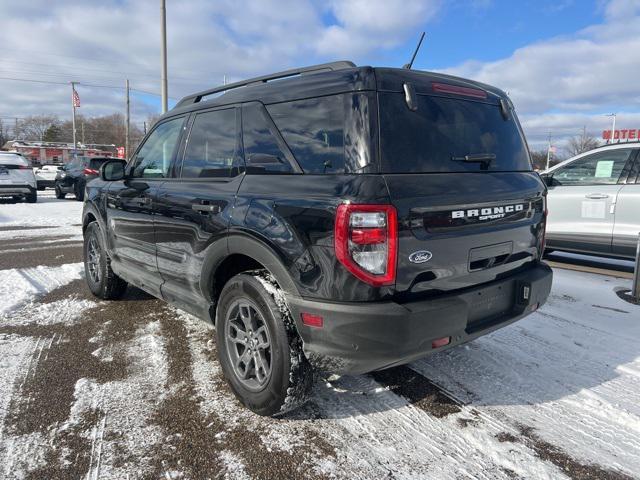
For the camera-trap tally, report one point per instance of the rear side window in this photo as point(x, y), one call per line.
point(442, 131)
point(263, 152)
point(314, 131)
point(212, 147)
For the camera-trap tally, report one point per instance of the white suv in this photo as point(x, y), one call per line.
point(594, 202)
point(17, 179)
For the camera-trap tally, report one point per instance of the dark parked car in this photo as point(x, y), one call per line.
point(73, 177)
point(342, 218)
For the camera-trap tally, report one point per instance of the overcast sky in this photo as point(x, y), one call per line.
point(564, 63)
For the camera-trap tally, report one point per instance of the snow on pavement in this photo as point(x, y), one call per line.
point(132, 389)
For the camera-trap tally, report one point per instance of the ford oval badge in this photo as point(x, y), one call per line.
point(420, 256)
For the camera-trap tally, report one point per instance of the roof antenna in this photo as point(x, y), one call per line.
point(410, 64)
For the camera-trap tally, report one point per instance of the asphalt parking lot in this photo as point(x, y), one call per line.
point(132, 389)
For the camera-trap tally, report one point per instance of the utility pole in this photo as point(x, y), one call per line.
point(127, 124)
point(73, 120)
point(548, 151)
point(613, 127)
point(82, 128)
point(163, 51)
point(15, 130)
point(144, 125)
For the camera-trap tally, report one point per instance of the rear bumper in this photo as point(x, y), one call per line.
point(15, 189)
point(362, 337)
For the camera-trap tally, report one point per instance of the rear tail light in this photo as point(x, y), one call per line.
point(90, 171)
point(366, 242)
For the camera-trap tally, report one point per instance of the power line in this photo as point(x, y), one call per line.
point(50, 82)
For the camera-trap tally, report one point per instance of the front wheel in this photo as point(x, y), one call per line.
point(258, 346)
point(59, 193)
point(101, 279)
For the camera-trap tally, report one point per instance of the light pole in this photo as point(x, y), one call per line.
point(163, 52)
point(613, 127)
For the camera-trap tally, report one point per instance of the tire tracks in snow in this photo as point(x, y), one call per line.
point(426, 395)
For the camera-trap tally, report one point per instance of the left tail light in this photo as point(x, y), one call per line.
point(90, 171)
point(366, 242)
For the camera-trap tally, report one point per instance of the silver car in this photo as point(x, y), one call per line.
point(17, 179)
point(594, 202)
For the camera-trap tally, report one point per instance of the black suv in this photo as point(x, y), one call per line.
point(343, 219)
point(73, 177)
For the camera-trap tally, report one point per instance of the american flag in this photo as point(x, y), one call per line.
point(75, 98)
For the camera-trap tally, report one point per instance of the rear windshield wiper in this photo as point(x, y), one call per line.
point(484, 158)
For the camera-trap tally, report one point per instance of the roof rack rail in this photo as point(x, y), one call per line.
point(197, 97)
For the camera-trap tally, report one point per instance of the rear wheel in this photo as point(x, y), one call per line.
point(258, 346)
point(101, 279)
point(59, 193)
point(32, 197)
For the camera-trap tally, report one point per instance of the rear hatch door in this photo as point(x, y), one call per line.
point(456, 164)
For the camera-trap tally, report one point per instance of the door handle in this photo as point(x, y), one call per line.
point(597, 196)
point(206, 208)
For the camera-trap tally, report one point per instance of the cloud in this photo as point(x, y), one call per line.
point(102, 43)
point(583, 75)
point(363, 24)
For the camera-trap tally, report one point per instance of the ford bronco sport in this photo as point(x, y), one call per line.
point(343, 219)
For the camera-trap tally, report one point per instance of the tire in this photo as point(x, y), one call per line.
point(78, 190)
point(59, 193)
point(290, 377)
point(32, 197)
point(100, 278)
point(41, 188)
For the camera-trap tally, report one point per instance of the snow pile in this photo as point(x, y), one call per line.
point(18, 286)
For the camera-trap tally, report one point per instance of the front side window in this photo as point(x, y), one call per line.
point(212, 147)
point(262, 151)
point(314, 131)
point(153, 159)
point(602, 168)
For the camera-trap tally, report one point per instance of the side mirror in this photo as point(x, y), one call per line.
point(113, 170)
point(547, 178)
point(62, 168)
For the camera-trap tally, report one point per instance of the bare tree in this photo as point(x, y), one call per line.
point(34, 127)
point(539, 159)
point(581, 143)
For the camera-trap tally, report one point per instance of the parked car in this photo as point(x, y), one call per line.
point(17, 179)
point(594, 202)
point(46, 175)
point(342, 218)
point(74, 176)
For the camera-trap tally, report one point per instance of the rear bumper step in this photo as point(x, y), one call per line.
point(362, 337)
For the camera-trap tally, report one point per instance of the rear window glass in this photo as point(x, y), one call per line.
point(442, 131)
point(314, 131)
point(8, 159)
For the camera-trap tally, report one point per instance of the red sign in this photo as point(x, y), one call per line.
point(120, 152)
point(622, 134)
point(53, 152)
